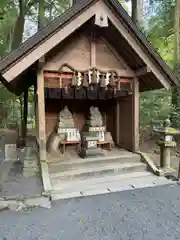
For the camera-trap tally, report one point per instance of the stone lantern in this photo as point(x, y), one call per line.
point(166, 143)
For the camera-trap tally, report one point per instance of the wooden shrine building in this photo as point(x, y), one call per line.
point(91, 55)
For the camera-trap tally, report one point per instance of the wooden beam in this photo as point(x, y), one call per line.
point(41, 115)
point(93, 54)
point(135, 115)
point(121, 73)
point(142, 71)
point(41, 62)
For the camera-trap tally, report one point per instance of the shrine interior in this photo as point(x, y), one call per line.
point(80, 112)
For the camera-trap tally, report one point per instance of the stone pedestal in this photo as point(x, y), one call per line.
point(69, 134)
point(99, 131)
point(165, 158)
point(89, 146)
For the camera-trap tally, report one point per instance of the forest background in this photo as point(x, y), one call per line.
point(158, 19)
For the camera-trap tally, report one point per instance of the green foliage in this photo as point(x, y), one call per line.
point(10, 10)
point(161, 30)
point(156, 106)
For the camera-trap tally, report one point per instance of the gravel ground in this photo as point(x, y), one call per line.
point(149, 213)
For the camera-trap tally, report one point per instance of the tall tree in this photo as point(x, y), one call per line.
point(19, 25)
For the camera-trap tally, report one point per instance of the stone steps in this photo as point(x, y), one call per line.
point(107, 184)
point(67, 186)
point(90, 176)
point(96, 170)
point(89, 162)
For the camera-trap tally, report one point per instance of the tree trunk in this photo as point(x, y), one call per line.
point(175, 116)
point(19, 26)
point(41, 13)
point(136, 8)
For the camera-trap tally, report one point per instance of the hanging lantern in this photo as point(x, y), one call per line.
point(94, 79)
point(79, 79)
point(107, 79)
point(74, 79)
point(66, 89)
point(85, 82)
point(102, 82)
point(89, 76)
point(112, 81)
point(98, 76)
point(119, 84)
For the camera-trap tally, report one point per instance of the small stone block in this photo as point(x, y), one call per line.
point(95, 192)
point(120, 188)
point(10, 152)
point(57, 196)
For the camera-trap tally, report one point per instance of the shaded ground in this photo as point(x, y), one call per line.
point(16, 184)
point(143, 214)
point(11, 176)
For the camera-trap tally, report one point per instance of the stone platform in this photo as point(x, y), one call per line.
point(71, 176)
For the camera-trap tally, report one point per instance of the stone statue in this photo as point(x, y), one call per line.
point(66, 128)
point(65, 118)
point(65, 113)
point(95, 118)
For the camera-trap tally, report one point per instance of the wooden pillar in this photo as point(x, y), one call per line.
point(36, 112)
point(117, 122)
point(135, 114)
point(24, 119)
point(41, 116)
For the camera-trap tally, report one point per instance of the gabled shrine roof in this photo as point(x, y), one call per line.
point(68, 16)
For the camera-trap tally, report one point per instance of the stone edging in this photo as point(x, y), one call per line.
point(20, 203)
point(146, 159)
